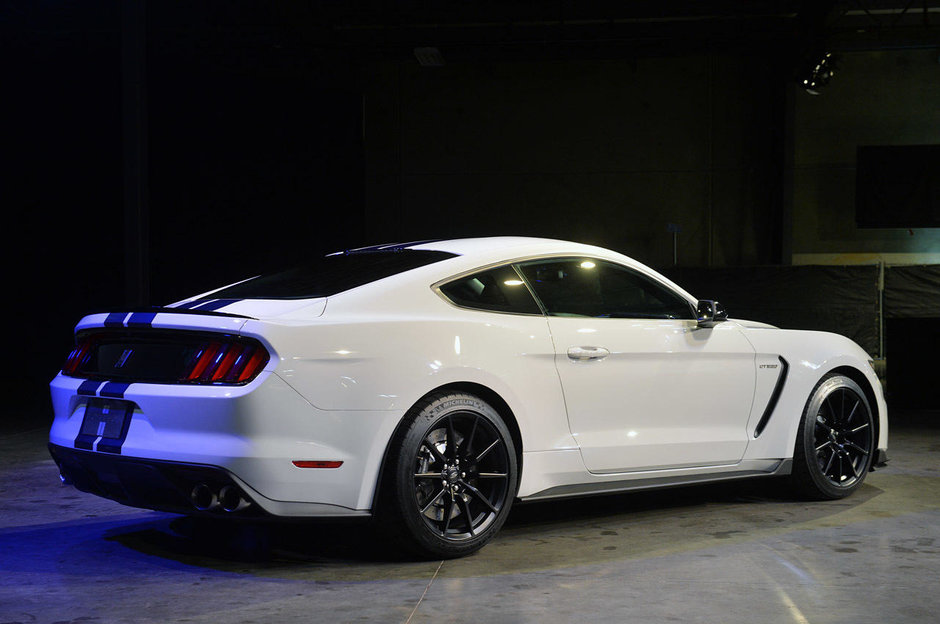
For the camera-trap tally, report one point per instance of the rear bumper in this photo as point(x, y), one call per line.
point(147, 483)
point(247, 436)
point(172, 486)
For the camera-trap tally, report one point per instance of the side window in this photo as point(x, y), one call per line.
point(601, 289)
point(496, 290)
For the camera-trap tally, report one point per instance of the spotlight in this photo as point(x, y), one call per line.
point(819, 74)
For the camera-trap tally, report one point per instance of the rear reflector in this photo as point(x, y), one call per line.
point(307, 463)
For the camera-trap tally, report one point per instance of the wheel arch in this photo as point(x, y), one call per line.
point(487, 394)
point(862, 380)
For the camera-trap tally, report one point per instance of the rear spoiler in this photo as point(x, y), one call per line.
point(167, 310)
point(166, 318)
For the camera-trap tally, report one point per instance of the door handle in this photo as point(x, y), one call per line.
point(587, 353)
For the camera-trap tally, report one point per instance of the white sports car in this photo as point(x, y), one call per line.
point(432, 384)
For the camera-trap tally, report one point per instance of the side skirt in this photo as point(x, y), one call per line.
point(775, 468)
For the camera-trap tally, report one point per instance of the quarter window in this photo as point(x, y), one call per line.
point(497, 290)
point(601, 289)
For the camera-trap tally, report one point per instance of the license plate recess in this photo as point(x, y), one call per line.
point(104, 426)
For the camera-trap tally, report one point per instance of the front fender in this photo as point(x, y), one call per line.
point(811, 355)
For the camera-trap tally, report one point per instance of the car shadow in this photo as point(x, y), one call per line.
point(538, 534)
point(219, 543)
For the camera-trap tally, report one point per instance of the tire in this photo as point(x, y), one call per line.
point(835, 442)
point(450, 478)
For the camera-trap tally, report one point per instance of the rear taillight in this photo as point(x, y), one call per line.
point(166, 356)
point(79, 356)
point(227, 362)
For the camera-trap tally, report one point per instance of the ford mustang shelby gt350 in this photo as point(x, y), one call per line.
point(432, 384)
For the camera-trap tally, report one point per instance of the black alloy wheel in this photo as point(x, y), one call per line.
point(454, 476)
point(836, 444)
point(461, 475)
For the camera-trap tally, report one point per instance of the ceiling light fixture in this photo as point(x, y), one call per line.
point(820, 74)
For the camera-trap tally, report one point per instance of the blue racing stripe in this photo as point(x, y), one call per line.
point(114, 389)
point(387, 247)
point(141, 319)
point(400, 246)
point(190, 304)
point(89, 387)
point(216, 304)
point(107, 445)
point(115, 319)
point(84, 441)
point(88, 435)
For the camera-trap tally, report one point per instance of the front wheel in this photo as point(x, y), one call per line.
point(835, 442)
point(451, 476)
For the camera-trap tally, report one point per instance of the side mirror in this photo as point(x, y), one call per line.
point(710, 312)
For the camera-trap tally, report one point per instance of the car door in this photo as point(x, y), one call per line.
point(645, 387)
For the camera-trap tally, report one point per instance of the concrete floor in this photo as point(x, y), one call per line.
point(739, 552)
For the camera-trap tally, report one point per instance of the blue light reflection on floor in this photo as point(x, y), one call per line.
point(86, 547)
point(155, 567)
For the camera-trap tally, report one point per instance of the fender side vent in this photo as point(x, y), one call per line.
point(774, 397)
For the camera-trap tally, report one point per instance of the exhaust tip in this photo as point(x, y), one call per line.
point(203, 498)
point(230, 498)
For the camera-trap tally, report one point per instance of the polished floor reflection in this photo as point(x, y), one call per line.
point(737, 552)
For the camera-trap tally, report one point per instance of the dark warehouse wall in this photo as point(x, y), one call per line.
point(607, 152)
point(60, 192)
point(874, 98)
point(614, 151)
point(254, 159)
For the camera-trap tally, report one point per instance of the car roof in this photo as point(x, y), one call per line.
point(464, 256)
point(501, 247)
point(473, 253)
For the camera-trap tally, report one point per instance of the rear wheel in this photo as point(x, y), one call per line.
point(836, 440)
point(451, 476)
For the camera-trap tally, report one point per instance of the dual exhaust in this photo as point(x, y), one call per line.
point(229, 498)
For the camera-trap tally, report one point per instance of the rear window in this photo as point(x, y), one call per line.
point(326, 276)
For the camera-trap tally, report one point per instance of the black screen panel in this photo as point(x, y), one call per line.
point(897, 186)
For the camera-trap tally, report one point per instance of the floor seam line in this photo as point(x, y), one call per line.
point(425, 592)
